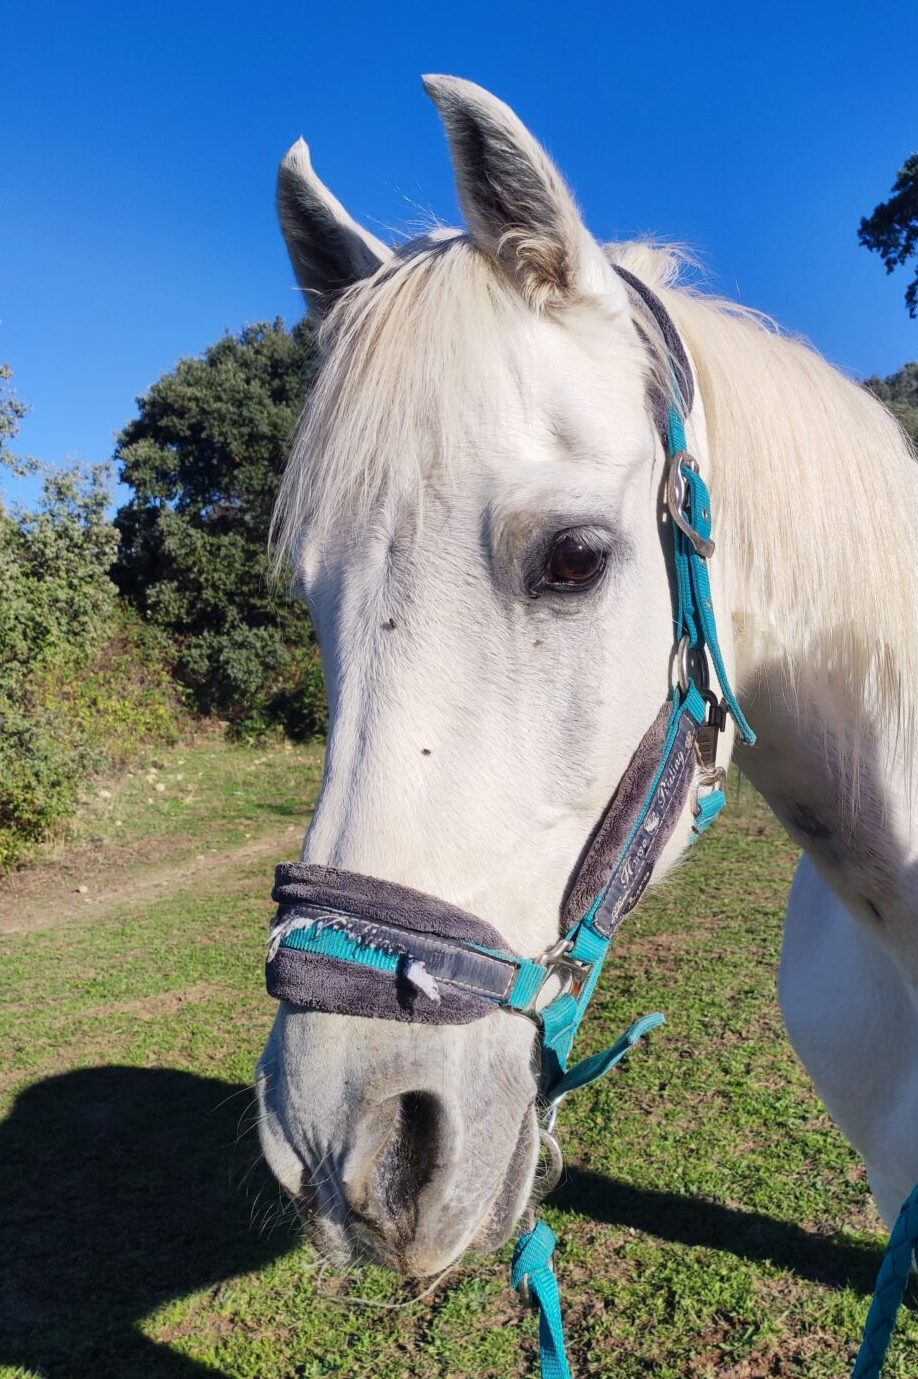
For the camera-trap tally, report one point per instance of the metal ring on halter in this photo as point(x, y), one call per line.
point(550, 1114)
point(548, 1184)
point(526, 1295)
point(549, 1140)
point(555, 1162)
point(556, 951)
point(684, 651)
point(676, 495)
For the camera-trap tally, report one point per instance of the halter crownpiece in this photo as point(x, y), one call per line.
point(356, 945)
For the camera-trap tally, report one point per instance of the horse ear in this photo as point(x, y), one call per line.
point(515, 201)
point(329, 251)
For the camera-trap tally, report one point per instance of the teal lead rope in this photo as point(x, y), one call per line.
point(532, 1269)
point(889, 1291)
point(533, 1265)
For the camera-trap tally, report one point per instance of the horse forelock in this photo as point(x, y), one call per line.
point(405, 355)
point(417, 360)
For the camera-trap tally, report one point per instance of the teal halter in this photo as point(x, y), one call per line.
point(352, 944)
point(588, 941)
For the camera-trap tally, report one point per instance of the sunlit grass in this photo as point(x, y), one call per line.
point(712, 1221)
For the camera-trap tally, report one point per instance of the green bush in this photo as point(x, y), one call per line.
point(110, 633)
point(900, 393)
point(83, 684)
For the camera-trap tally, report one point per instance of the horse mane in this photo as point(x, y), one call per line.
point(815, 486)
point(814, 482)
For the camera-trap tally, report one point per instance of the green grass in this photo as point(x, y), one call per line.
point(712, 1220)
point(210, 791)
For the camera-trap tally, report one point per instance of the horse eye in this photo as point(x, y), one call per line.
point(572, 563)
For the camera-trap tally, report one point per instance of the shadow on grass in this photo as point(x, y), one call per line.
point(122, 1188)
point(746, 1234)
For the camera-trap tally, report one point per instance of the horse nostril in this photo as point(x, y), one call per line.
point(415, 1148)
point(397, 1153)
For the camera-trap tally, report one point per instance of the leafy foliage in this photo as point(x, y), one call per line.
point(900, 393)
point(81, 681)
point(203, 458)
point(892, 230)
point(12, 410)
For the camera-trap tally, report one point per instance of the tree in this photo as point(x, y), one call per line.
point(203, 458)
point(892, 230)
point(900, 393)
point(12, 410)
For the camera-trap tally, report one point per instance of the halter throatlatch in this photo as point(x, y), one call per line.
point(355, 945)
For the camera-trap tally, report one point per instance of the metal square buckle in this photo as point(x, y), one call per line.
point(573, 975)
point(714, 779)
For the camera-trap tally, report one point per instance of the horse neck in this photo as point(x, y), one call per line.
point(842, 785)
point(819, 522)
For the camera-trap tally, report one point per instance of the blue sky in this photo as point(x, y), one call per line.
point(141, 143)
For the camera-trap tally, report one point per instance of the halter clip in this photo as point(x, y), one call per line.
point(569, 972)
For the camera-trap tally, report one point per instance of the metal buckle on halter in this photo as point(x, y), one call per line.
point(708, 735)
point(677, 491)
point(697, 672)
point(713, 780)
point(571, 973)
point(692, 668)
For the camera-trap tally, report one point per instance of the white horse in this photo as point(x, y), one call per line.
point(472, 508)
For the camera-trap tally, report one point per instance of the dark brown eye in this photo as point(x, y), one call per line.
point(573, 563)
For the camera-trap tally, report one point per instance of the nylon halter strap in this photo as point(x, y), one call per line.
point(353, 944)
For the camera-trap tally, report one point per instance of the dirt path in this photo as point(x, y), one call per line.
point(46, 896)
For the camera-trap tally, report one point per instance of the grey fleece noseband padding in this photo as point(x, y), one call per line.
point(614, 828)
point(401, 920)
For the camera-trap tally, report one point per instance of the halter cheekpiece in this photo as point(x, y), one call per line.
point(356, 945)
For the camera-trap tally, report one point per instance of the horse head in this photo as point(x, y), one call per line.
point(473, 512)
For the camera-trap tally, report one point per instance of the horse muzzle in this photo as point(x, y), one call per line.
point(406, 1149)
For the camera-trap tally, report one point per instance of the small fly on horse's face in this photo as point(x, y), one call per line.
point(473, 512)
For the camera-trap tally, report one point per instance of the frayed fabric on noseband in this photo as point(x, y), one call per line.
point(352, 944)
